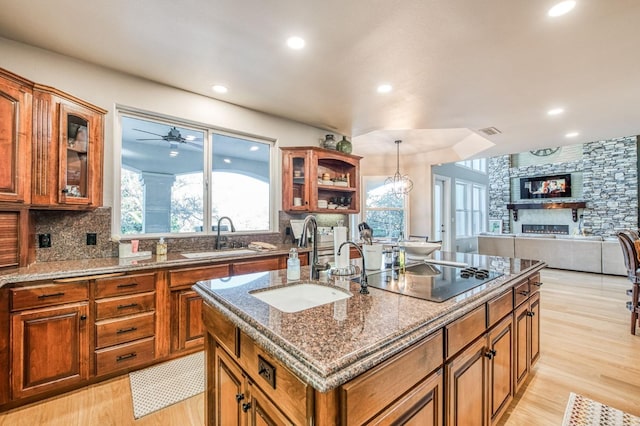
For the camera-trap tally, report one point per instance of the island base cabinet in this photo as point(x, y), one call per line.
point(527, 338)
point(501, 382)
point(421, 406)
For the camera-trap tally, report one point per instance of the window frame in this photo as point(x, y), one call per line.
point(363, 207)
point(208, 131)
point(469, 211)
point(478, 165)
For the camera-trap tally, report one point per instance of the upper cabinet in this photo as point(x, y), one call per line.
point(68, 141)
point(15, 137)
point(320, 181)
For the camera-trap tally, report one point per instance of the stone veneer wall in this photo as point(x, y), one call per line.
point(609, 177)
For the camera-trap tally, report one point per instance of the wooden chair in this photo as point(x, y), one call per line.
point(627, 242)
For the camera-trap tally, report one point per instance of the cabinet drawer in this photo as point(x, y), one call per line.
point(499, 307)
point(369, 393)
point(125, 305)
point(113, 332)
point(464, 330)
point(188, 277)
point(106, 287)
point(520, 293)
point(124, 356)
point(258, 265)
point(48, 295)
point(534, 283)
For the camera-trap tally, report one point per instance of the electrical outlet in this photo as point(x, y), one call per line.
point(44, 240)
point(92, 238)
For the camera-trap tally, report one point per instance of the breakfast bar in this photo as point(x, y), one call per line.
point(376, 357)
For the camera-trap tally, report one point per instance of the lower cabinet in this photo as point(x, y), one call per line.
point(501, 382)
point(50, 348)
point(187, 305)
point(527, 337)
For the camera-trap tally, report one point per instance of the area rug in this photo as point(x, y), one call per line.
point(164, 384)
point(582, 411)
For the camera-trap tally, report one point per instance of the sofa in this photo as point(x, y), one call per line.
point(576, 253)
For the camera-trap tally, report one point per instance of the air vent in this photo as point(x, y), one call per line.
point(490, 131)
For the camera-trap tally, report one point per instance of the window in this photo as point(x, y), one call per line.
point(384, 212)
point(478, 165)
point(471, 208)
point(163, 184)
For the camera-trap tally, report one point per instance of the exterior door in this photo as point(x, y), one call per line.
point(441, 211)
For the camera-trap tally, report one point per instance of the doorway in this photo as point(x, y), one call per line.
point(442, 211)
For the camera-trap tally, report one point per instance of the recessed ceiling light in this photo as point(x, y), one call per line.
point(555, 111)
point(226, 160)
point(295, 42)
point(571, 135)
point(384, 88)
point(561, 8)
point(254, 148)
point(218, 88)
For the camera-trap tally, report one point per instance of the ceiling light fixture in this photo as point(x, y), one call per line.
point(561, 8)
point(218, 88)
point(295, 42)
point(555, 111)
point(384, 88)
point(254, 148)
point(571, 135)
point(401, 185)
point(226, 160)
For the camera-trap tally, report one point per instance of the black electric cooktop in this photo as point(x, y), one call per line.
point(435, 283)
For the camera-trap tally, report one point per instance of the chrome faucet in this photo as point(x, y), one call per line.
point(233, 229)
point(316, 266)
point(363, 275)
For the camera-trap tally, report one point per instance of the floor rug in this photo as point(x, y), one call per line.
point(582, 411)
point(164, 384)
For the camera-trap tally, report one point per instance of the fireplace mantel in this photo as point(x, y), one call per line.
point(523, 206)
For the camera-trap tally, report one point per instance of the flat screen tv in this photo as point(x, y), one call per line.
point(545, 187)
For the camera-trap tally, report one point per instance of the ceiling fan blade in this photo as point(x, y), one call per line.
point(151, 133)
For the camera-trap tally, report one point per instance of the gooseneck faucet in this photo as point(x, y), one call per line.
point(316, 266)
point(363, 275)
point(233, 229)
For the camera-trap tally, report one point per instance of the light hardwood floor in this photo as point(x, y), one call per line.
point(586, 348)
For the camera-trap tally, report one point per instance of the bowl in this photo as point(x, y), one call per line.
point(419, 249)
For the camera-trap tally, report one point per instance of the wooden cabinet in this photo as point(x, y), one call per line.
point(501, 385)
point(303, 183)
point(15, 138)
point(68, 139)
point(14, 232)
point(527, 337)
point(50, 344)
point(262, 412)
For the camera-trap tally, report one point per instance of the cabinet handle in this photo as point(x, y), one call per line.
point(45, 296)
point(239, 397)
point(83, 317)
point(130, 305)
point(127, 285)
point(531, 313)
point(524, 292)
point(489, 354)
point(126, 330)
point(538, 283)
point(246, 406)
point(127, 356)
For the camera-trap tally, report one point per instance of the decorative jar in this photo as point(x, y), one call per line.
point(344, 145)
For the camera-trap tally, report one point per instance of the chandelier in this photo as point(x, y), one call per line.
point(400, 185)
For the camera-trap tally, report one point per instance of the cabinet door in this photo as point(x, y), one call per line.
point(295, 181)
point(466, 377)
point(15, 140)
point(534, 329)
point(262, 412)
point(257, 265)
point(80, 156)
point(228, 391)
point(501, 386)
point(10, 238)
point(521, 326)
point(50, 348)
point(187, 308)
point(421, 406)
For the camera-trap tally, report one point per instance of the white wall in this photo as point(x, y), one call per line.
point(107, 88)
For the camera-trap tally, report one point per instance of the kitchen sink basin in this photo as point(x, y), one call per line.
point(217, 253)
point(298, 297)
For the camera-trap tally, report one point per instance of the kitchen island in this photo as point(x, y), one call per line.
point(374, 358)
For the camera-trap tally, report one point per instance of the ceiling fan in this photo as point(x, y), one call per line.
point(173, 136)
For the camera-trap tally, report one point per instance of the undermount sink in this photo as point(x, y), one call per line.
point(298, 297)
point(217, 253)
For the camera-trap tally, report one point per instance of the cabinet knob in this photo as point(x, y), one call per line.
point(65, 191)
point(489, 354)
point(246, 406)
point(83, 317)
point(239, 397)
point(538, 283)
point(524, 292)
point(531, 314)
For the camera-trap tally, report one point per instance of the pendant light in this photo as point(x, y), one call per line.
point(401, 185)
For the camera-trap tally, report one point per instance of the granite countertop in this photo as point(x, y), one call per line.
point(108, 265)
point(330, 344)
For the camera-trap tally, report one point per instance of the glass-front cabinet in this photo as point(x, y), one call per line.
point(67, 151)
point(320, 180)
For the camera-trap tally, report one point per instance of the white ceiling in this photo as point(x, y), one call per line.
point(456, 65)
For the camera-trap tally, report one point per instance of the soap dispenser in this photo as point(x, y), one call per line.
point(161, 247)
point(293, 266)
